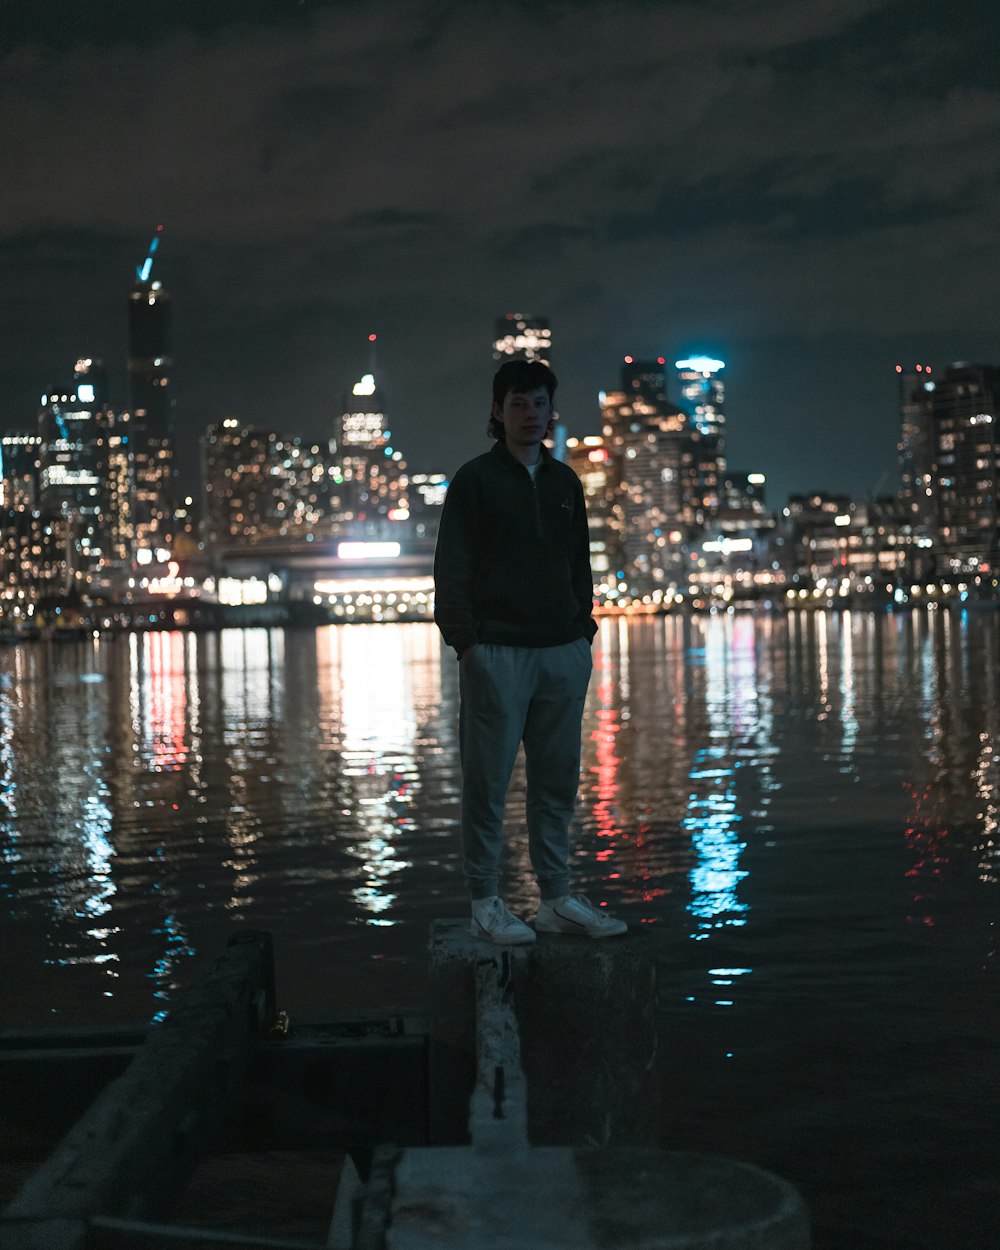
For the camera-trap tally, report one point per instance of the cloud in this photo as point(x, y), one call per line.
point(259, 132)
point(790, 167)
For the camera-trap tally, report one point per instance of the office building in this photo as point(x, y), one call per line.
point(69, 455)
point(965, 403)
point(116, 471)
point(522, 336)
point(426, 494)
point(114, 461)
point(375, 485)
point(645, 380)
point(34, 567)
point(84, 471)
point(649, 441)
point(259, 485)
point(701, 384)
point(19, 469)
point(592, 460)
point(744, 492)
point(915, 447)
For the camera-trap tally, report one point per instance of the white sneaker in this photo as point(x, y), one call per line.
point(575, 913)
point(493, 921)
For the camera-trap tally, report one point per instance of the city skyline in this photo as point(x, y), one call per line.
point(118, 380)
point(806, 191)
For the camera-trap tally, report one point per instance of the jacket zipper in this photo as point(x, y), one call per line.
point(538, 505)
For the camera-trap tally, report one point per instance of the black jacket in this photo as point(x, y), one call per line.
point(512, 563)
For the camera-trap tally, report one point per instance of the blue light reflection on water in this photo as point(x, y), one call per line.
point(255, 769)
point(801, 809)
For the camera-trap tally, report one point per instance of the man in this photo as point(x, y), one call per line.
point(514, 597)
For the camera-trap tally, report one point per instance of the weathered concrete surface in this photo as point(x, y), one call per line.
point(555, 1198)
point(551, 1048)
point(131, 1151)
point(451, 1196)
point(452, 1056)
point(586, 1017)
point(587, 1014)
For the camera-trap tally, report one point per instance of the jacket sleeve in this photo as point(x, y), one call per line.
point(583, 577)
point(455, 561)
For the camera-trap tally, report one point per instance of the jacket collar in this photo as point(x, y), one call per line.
point(499, 450)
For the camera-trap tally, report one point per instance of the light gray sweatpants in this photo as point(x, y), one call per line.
point(510, 695)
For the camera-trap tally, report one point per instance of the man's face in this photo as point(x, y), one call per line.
point(525, 416)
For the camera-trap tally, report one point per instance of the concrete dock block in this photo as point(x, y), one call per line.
point(550, 1050)
point(557, 1198)
point(586, 1021)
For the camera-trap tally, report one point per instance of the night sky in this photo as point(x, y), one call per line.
point(807, 188)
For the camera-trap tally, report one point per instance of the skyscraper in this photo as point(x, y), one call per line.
point(916, 451)
point(524, 336)
point(593, 463)
point(69, 477)
point(149, 368)
point(149, 362)
point(649, 440)
point(702, 391)
point(374, 475)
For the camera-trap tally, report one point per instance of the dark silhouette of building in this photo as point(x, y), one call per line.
point(151, 399)
point(916, 449)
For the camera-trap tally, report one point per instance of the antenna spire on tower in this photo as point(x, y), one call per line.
point(143, 271)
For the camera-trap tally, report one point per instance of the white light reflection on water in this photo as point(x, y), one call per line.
point(849, 726)
point(69, 700)
point(265, 776)
point(366, 671)
point(986, 776)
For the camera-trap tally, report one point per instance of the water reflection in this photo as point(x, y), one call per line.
point(737, 772)
point(714, 812)
point(367, 689)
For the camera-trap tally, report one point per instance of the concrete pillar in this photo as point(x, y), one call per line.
point(553, 1161)
point(586, 1018)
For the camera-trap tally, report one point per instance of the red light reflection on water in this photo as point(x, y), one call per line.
point(926, 838)
point(620, 842)
point(166, 700)
point(605, 771)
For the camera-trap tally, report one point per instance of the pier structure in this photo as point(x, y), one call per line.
point(522, 1112)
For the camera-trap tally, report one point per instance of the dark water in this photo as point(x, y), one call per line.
point(802, 808)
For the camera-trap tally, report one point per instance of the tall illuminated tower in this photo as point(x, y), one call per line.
point(374, 474)
point(703, 392)
point(916, 452)
point(523, 336)
point(649, 442)
point(149, 368)
point(702, 396)
point(149, 361)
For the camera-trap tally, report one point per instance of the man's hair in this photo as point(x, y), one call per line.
point(519, 376)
